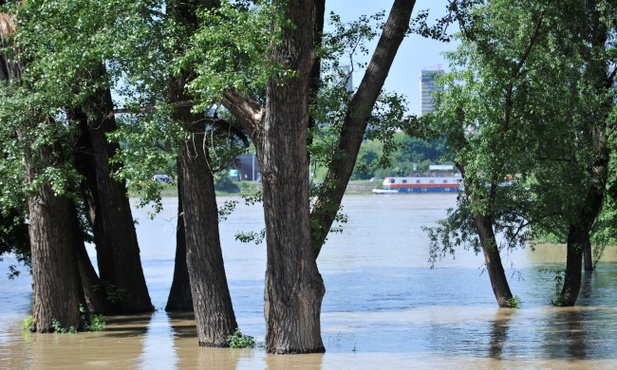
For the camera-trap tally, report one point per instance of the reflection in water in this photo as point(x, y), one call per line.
point(384, 306)
point(499, 333)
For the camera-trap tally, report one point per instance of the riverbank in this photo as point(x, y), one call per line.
point(251, 187)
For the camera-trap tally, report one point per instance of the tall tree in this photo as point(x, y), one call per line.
point(482, 114)
point(591, 132)
point(212, 305)
point(294, 288)
point(56, 284)
point(107, 204)
point(516, 58)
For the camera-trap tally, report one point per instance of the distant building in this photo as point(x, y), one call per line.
point(427, 86)
point(249, 170)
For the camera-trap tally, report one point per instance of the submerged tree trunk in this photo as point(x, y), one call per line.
point(55, 276)
point(180, 298)
point(492, 259)
point(574, 261)
point(579, 233)
point(294, 287)
point(109, 210)
point(599, 73)
point(214, 315)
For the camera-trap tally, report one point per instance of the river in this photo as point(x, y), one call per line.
point(384, 307)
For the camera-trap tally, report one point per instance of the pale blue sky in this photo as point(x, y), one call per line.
point(416, 53)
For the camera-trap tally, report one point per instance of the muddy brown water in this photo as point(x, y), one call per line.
point(384, 307)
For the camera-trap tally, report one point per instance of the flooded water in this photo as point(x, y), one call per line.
point(384, 306)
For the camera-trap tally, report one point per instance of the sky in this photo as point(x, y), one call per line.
point(416, 53)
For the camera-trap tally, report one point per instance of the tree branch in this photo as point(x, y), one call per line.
point(248, 111)
point(151, 109)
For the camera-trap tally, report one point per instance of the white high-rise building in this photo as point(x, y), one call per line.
point(427, 86)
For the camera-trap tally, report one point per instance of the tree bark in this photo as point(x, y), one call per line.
point(214, 315)
point(492, 259)
point(294, 287)
point(55, 277)
point(180, 298)
point(356, 119)
point(108, 207)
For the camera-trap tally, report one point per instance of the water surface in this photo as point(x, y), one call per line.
point(384, 307)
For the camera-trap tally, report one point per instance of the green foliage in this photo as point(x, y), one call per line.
point(229, 51)
point(559, 276)
point(94, 322)
point(111, 291)
point(515, 302)
point(239, 340)
point(26, 324)
point(226, 209)
point(58, 328)
point(251, 236)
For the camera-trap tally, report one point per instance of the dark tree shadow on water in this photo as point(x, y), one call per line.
point(500, 327)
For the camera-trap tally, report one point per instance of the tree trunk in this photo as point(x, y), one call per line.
point(93, 298)
point(492, 258)
point(588, 255)
point(180, 298)
point(579, 232)
point(294, 287)
point(55, 277)
point(356, 119)
point(574, 264)
point(108, 207)
point(214, 315)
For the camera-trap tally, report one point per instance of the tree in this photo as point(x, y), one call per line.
point(199, 256)
point(516, 59)
point(56, 285)
point(590, 132)
point(483, 116)
point(108, 208)
point(279, 128)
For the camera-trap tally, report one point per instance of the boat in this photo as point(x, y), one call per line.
point(384, 191)
point(443, 183)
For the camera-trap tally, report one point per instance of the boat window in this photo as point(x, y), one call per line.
point(431, 181)
point(392, 181)
point(417, 181)
point(445, 181)
point(404, 181)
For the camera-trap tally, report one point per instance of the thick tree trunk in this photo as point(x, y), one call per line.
point(492, 258)
point(55, 276)
point(180, 298)
point(294, 287)
point(214, 315)
point(108, 207)
point(356, 119)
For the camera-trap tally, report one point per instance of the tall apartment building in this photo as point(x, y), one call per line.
point(427, 86)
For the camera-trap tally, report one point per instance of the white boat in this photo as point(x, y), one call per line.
point(423, 184)
point(384, 191)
